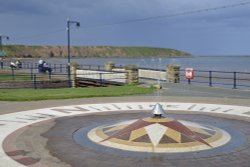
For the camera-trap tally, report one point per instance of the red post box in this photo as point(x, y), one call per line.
point(189, 73)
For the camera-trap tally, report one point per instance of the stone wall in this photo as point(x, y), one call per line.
point(132, 74)
point(173, 73)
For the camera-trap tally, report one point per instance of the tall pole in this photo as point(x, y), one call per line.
point(1, 52)
point(68, 35)
point(1, 47)
point(68, 32)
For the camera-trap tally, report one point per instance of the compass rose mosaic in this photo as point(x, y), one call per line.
point(161, 135)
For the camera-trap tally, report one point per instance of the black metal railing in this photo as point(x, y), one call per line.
point(218, 78)
point(61, 68)
point(232, 79)
point(13, 78)
point(33, 80)
point(212, 78)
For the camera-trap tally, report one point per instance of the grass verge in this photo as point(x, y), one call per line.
point(69, 93)
point(15, 78)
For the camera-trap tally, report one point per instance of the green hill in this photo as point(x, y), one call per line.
point(24, 51)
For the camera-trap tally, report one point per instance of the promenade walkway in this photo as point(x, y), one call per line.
point(171, 92)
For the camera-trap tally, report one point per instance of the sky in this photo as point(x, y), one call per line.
point(214, 32)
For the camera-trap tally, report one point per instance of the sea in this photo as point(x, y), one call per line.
point(213, 63)
point(206, 63)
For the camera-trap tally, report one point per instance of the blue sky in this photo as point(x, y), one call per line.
point(225, 31)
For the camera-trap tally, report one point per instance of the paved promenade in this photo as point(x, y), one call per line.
point(41, 135)
point(170, 92)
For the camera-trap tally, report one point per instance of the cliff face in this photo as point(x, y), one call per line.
point(90, 51)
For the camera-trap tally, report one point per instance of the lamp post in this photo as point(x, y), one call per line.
point(69, 23)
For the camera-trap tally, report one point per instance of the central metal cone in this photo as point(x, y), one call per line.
point(158, 110)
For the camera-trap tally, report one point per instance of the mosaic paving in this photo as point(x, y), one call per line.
point(161, 135)
point(167, 131)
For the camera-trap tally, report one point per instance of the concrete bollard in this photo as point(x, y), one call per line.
point(132, 76)
point(109, 66)
point(73, 68)
point(173, 73)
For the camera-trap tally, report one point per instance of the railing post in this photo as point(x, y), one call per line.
point(100, 77)
point(1, 64)
point(31, 73)
point(210, 78)
point(34, 81)
point(12, 73)
point(235, 84)
point(60, 68)
point(49, 75)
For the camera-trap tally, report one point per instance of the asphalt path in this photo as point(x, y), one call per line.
point(170, 92)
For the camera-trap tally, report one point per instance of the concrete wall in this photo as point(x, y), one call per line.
point(119, 74)
point(105, 75)
point(152, 74)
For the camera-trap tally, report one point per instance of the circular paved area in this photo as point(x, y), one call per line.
point(42, 133)
point(44, 137)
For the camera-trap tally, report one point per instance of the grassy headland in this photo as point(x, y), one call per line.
point(24, 51)
point(69, 93)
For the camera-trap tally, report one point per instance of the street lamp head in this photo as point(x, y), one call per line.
point(77, 24)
